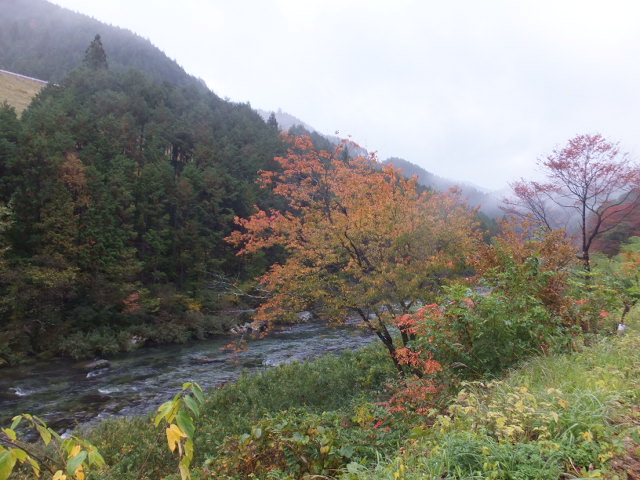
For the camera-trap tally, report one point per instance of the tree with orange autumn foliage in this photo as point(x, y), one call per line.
point(590, 182)
point(362, 241)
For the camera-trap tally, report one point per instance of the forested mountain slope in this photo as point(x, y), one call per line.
point(121, 191)
point(46, 41)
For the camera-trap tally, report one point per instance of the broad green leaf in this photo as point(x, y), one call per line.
point(7, 462)
point(20, 454)
point(16, 420)
point(346, 451)
point(192, 405)
point(54, 434)
point(163, 411)
point(197, 392)
point(175, 408)
point(184, 469)
point(95, 458)
point(45, 434)
point(39, 420)
point(68, 444)
point(10, 433)
point(185, 423)
point(188, 449)
point(74, 462)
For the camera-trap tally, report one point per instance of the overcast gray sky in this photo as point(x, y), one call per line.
point(471, 90)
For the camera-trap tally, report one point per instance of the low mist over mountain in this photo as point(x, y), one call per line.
point(46, 41)
point(293, 125)
point(285, 120)
point(487, 201)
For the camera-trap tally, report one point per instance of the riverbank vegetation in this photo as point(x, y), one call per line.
point(505, 390)
point(568, 414)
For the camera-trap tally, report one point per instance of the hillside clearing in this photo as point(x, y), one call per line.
point(18, 91)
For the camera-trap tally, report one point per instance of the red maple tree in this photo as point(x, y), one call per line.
point(590, 182)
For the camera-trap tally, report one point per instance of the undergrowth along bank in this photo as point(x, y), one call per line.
point(322, 396)
point(562, 416)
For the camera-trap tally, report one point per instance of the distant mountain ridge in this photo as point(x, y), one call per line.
point(487, 201)
point(285, 120)
point(295, 126)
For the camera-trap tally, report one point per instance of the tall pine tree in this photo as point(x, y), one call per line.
point(95, 57)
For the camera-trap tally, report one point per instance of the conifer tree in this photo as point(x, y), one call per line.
point(94, 56)
point(272, 122)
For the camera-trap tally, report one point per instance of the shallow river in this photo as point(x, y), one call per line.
point(65, 395)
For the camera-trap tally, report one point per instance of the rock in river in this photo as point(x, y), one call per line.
point(99, 364)
point(201, 360)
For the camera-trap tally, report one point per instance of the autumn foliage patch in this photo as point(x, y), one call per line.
point(362, 242)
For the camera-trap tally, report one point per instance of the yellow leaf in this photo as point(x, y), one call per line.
point(59, 475)
point(174, 434)
point(79, 473)
point(587, 436)
point(74, 451)
point(19, 454)
point(35, 466)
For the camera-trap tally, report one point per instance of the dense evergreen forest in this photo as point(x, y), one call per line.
point(118, 192)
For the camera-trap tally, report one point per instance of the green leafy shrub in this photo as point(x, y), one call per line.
point(472, 334)
point(293, 441)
